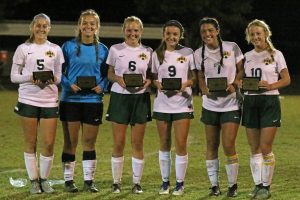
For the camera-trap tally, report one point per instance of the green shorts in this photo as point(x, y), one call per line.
point(30, 111)
point(129, 108)
point(170, 117)
point(217, 118)
point(260, 111)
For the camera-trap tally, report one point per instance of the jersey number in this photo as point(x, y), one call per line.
point(40, 63)
point(172, 71)
point(256, 72)
point(131, 66)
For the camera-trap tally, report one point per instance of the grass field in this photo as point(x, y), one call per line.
point(285, 183)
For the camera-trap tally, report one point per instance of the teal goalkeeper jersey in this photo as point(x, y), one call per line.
point(84, 64)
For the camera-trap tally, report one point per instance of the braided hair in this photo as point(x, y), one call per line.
point(215, 23)
point(96, 35)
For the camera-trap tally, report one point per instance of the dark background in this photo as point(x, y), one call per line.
point(282, 16)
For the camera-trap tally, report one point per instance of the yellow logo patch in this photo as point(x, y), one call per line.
point(226, 54)
point(181, 59)
point(50, 54)
point(143, 56)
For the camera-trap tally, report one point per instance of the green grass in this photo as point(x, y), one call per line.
point(285, 182)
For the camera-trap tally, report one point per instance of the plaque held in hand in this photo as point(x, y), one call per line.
point(43, 76)
point(133, 80)
point(250, 84)
point(86, 82)
point(217, 84)
point(171, 83)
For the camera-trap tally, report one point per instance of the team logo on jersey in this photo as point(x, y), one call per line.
point(50, 54)
point(226, 54)
point(181, 59)
point(143, 56)
point(268, 61)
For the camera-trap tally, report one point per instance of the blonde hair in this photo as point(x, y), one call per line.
point(132, 19)
point(267, 30)
point(96, 36)
point(34, 20)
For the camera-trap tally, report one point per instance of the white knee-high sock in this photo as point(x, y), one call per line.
point(232, 169)
point(31, 165)
point(212, 167)
point(137, 170)
point(256, 163)
point(68, 170)
point(268, 169)
point(117, 168)
point(45, 166)
point(181, 163)
point(89, 168)
point(165, 165)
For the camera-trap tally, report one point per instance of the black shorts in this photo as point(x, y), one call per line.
point(88, 113)
point(213, 118)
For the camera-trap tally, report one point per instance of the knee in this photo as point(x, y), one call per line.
point(138, 146)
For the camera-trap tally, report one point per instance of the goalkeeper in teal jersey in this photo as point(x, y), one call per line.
point(83, 83)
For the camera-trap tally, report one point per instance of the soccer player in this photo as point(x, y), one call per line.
point(37, 103)
point(261, 110)
point(173, 108)
point(220, 110)
point(129, 105)
point(82, 105)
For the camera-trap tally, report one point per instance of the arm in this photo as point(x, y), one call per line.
point(202, 84)
point(114, 78)
point(284, 81)
point(192, 79)
point(239, 76)
point(16, 75)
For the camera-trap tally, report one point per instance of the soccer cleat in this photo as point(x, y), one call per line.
point(164, 188)
point(232, 191)
point(252, 194)
point(179, 189)
point(137, 189)
point(45, 186)
point(35, 187)
point(116, 188)
point(263, 193)
point(90, 187)
point(70, 186)
point(215, 191)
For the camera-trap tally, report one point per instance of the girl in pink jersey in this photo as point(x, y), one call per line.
point(261, 109)
point(38, 99)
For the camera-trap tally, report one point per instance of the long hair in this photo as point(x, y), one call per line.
point(215, 23)
point(34, 20)
point(267, 30)
point(96, 35)
point(160, 51)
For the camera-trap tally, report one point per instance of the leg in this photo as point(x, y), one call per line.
point(164, 130)
point(89, 162)
point(71, 132)
point(48, 134)
point(181, 129)
point(212, 162)
point(29, 126)
point(137, 144)
point(117, 161)
point(266, 141)
point(229, 133)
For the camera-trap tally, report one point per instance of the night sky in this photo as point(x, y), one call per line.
point(282, 16)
